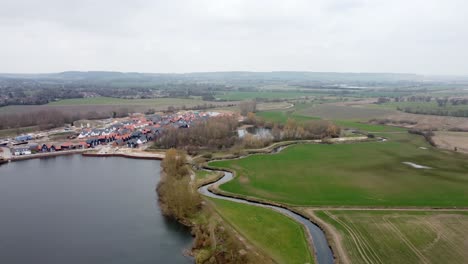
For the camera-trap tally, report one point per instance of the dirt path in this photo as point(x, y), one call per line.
point(311, 209)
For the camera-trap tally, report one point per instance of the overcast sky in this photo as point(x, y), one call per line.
point(414, 36)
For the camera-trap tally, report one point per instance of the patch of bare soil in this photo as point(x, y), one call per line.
point(451, 140)
point(244, 180)
point(362, 102)
point(274, 106)
point(429, 121)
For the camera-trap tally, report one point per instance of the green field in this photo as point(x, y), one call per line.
point(401, 237)
point(357, 174)
point(17, 131)
point(279, 236)
point(203, 174)
point(367, 127)
point(340, 112)
point(282, 116)
point(301, 113)
point(425, 108)
point(120, 101)
point(237, 96)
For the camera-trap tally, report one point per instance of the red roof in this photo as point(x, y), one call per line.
point(67, 144)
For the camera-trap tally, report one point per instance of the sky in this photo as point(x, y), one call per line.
point(405, 36)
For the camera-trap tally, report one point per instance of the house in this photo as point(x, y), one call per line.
point(43, 148)
point(51, 148)
point(118, 142)
point(132, 143)
point(21, 151)
point(141, 140)
point(92, 142)
point(82, 145)
point(67, 145)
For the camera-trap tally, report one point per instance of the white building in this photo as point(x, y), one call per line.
point(21, 151)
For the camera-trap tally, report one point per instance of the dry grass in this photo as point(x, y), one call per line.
point(452, 140)
point(431, 121)
point(273, 106)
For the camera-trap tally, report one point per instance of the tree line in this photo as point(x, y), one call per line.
point(47, 119)
point(212, 133)
point(177, 197)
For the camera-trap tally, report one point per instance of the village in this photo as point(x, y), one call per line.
point(135, 131)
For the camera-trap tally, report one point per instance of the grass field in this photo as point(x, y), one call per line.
point(17, 131)
point(367, 127)
point(302, 113)
point(359, 174)
point(106, 105)
point(340, 112)
point(282, 116)
point(120, 101)
point(237, 96)
point(401, 237)
point(279, 236)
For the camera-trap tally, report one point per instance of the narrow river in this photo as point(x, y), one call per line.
point(320, 244)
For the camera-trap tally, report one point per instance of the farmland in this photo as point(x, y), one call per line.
point(119, 101)
point(106, 105)
point(239, 95)
point(282, 116)
point(341, 112)
point(362, 174)
point(280, 237)
point(304, 111)
point(401, 236)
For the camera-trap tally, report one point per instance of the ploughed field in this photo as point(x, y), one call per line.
point(359, 174)
point(401, 236)
point(277, 235)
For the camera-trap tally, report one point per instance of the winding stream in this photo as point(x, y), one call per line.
point(322, 249)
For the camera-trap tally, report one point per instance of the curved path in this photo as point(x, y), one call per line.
point(322, 250)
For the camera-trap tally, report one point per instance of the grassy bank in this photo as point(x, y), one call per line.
point(279, 236)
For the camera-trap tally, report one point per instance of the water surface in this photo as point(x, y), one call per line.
point(74, 209)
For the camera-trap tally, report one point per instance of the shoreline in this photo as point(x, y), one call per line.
point(87, 153)
point(149, 156)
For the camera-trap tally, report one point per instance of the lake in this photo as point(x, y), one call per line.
point(74, 209)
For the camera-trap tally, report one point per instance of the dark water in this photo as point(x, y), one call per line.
point(73, 209)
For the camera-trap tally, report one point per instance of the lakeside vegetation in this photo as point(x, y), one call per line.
point(401, 236)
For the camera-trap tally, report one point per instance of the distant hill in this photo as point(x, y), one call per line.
point(223, 77)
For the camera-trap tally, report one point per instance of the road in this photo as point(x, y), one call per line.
point(6, 153)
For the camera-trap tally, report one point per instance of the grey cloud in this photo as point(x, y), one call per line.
point(209, 35)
